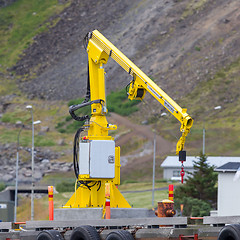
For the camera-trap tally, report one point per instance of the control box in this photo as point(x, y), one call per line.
point(97, 158)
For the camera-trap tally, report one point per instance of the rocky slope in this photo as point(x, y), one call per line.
point(178, 43)
point(181, 44)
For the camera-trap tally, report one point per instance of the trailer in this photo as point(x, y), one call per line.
point(174, 228)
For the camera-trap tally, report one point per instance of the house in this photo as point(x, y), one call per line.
point(7, 198)
point(228, 189)
point(172, 167)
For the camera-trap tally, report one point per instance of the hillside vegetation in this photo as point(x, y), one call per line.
point(189, 48)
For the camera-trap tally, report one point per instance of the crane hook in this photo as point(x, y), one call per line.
point(182, 172)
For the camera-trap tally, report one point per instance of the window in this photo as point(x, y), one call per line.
point(176, 173)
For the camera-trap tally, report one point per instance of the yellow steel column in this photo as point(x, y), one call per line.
point(98, 130)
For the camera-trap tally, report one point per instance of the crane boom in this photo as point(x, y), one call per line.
point(140, 83)
point(96, 159)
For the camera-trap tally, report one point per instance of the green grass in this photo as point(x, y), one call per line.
point(8, 86)
point(17, 115)
point(57, 178)
point(132, 145)
point(119, 103)
point(10, 136)
point(136, 200)
point(20, 22)
point(67, 124)
point(192, 7)
point(144, 199)
point(139, 186)
point(222, 126)
point(2, 186)
point(116, 102)
point(222, 89)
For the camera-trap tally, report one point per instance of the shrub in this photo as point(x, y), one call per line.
point(199, 193)
point(42, 141)
point(193, 207)
point(116, 102)
point(2, 186)
point(65, 187)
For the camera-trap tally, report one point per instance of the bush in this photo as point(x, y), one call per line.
point(69, 125)
point(119, 103)
point(129, 181)
point(2, 186)
point(199, 192)
point(65, 187)
point(201, 184)
point(193, 207)
point(42, 141)
point(116, 102)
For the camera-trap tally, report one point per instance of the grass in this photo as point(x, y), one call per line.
point(119, 103)
point(139, 186)
point(137, 200)
point(221, 137)
point(20, 22)
point(132, 145)
point(40, 209)
point(8, 86)
point(116, 102)
point(67, 124)
point(13, 117)
point(48, 112)
point(10, 136)
point(57, 178)
point(2, 186)
point(221, 89)
point(222, 126)
point(144, 199)
point(192, 7)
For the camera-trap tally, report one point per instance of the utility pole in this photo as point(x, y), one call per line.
point(16, 184)
point(154, 160)
point(203, 148)
point(30, 108)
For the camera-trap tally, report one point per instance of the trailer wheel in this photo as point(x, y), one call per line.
point(85, 233)
point(49, 235)
point(120, 235)
point(230, 232)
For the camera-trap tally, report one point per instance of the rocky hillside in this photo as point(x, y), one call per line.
point(178, 43)
point(189, 48)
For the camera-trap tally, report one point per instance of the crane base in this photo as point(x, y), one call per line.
point(62, 214)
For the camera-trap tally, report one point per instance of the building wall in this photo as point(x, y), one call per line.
point(6, 211)
point(168, 173)
point(228, 195)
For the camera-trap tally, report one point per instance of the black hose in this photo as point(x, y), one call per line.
point(73, 108)
point(88, 94)
point(76, 151)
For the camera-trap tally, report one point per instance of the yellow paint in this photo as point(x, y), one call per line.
point(99, 49)
point(142, 82)
point(83, 197)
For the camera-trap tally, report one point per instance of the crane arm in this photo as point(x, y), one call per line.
point(100, 49)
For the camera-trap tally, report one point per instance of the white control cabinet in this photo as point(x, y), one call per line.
point(97, 158)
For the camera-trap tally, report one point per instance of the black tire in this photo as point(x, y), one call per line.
point(85, 233)
point(120, 235)
point(230, 232)
point(49, 235)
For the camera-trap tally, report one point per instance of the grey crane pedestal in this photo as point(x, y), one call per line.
point(96, 213)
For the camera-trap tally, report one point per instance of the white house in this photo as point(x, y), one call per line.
point(172, 167)
point(228, 189)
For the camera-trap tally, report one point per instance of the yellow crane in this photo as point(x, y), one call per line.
point(96, 158)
